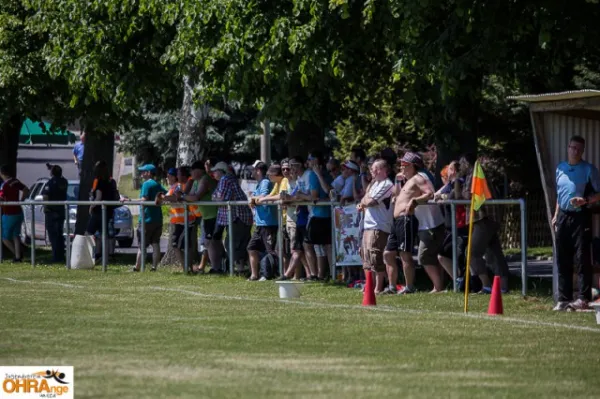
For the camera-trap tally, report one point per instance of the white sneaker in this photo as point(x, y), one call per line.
point(561, 306)
point(263, 278)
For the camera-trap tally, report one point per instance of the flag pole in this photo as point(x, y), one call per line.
point(468, 269)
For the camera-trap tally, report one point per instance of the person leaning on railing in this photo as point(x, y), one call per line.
point(12, 216)
point(175, 178)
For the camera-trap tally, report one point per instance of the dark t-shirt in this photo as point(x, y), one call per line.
point(56, 190)
point(10, 192)
point(106, 188)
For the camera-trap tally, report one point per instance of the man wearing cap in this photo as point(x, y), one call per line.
point(56, 190)
point(228, 189)
point(201, 191)
point(265, 217)
point(417, 190)
point(152, 217)
point(350, 173)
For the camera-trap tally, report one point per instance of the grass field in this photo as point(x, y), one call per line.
point(168, 335)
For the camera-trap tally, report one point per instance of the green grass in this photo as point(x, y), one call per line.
point(535, 251)
point(164, 334)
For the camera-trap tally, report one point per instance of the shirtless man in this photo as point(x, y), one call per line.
point(417, 190)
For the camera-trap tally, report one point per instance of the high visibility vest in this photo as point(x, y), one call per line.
point(194, 208)
point(177, 213)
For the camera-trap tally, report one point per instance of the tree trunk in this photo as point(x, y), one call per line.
point(305, 137)
point(9, 140)
point(192, 132)
point(98, 147)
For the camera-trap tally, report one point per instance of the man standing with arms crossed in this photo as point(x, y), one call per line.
point(377, 206)
point(577, 185)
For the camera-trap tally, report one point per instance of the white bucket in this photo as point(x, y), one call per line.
point(82, 253)
point(289, 289)
point(596, 307)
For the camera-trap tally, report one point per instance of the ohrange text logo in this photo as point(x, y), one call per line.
point(37, 382)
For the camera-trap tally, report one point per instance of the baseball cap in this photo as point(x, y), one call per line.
point(172, 172)
point(412, 157)
point(352, 165)
point(222, 166)
point(147, 168)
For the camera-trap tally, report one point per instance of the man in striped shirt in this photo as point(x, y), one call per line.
point(378, 216)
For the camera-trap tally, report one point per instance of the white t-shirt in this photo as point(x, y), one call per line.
point(381, 216)
point(338, 184)
point(291, 210)
point(429, 216)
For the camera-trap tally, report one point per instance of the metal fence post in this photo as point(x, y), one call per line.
point(523, 207)
point(454, 246)
point(280, 238)
point(333, 266)
point(104, 244)
point(32, 235)
point(1, 244)
point(142, 242)
point(230, 238)
point(186, 240)
point(68, 237)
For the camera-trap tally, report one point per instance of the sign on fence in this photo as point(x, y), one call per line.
point(347, 225)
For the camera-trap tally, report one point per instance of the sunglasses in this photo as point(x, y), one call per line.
point(284, 169)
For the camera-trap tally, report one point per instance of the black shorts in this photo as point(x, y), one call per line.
point(264, 239)
point(297, 236)
point(404, 234)
point(94, 224)
point(152, 231)
point(178, 236)
point(318, 231)
point(461, 244)
point(209, 228)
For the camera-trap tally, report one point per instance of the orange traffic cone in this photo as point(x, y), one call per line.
point(495, 307)
point(369, 291)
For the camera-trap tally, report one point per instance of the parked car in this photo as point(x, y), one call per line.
point(123, 221)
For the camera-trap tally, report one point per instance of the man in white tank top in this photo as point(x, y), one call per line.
point(432, 232)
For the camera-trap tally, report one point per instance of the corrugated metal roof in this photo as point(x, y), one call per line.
point(565, 95)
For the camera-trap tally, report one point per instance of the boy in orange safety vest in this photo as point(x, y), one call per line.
point(175, 178)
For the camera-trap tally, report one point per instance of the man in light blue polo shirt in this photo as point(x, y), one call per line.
point(577, 185)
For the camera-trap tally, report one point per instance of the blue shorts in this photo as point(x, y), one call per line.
point(11, 226)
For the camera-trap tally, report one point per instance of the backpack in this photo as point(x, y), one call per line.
point(269, 265)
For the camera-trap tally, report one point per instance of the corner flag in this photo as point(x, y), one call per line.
point(479, 188)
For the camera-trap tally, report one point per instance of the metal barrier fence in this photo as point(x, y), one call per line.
point(280, 251)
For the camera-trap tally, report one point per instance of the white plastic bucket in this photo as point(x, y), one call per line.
point(289, 289)
point(596, 307)
point(82, 253)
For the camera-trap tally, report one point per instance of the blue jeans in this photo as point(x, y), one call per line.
point(54, 228)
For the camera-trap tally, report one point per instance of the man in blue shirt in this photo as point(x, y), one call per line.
point(577, 185)
point(152, 217)
point(78, 152)
point(265, 217)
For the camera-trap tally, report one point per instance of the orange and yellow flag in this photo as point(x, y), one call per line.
point(479, 188)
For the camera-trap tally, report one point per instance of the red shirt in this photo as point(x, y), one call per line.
point(10, 192)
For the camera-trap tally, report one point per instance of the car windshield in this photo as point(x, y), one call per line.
point(73, 192)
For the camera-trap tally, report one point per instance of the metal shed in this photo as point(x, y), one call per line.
point(555, 117)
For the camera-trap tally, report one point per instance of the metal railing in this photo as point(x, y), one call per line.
point(229, 204)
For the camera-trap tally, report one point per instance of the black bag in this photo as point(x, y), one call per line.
point(269, 265)
point(114, 196)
